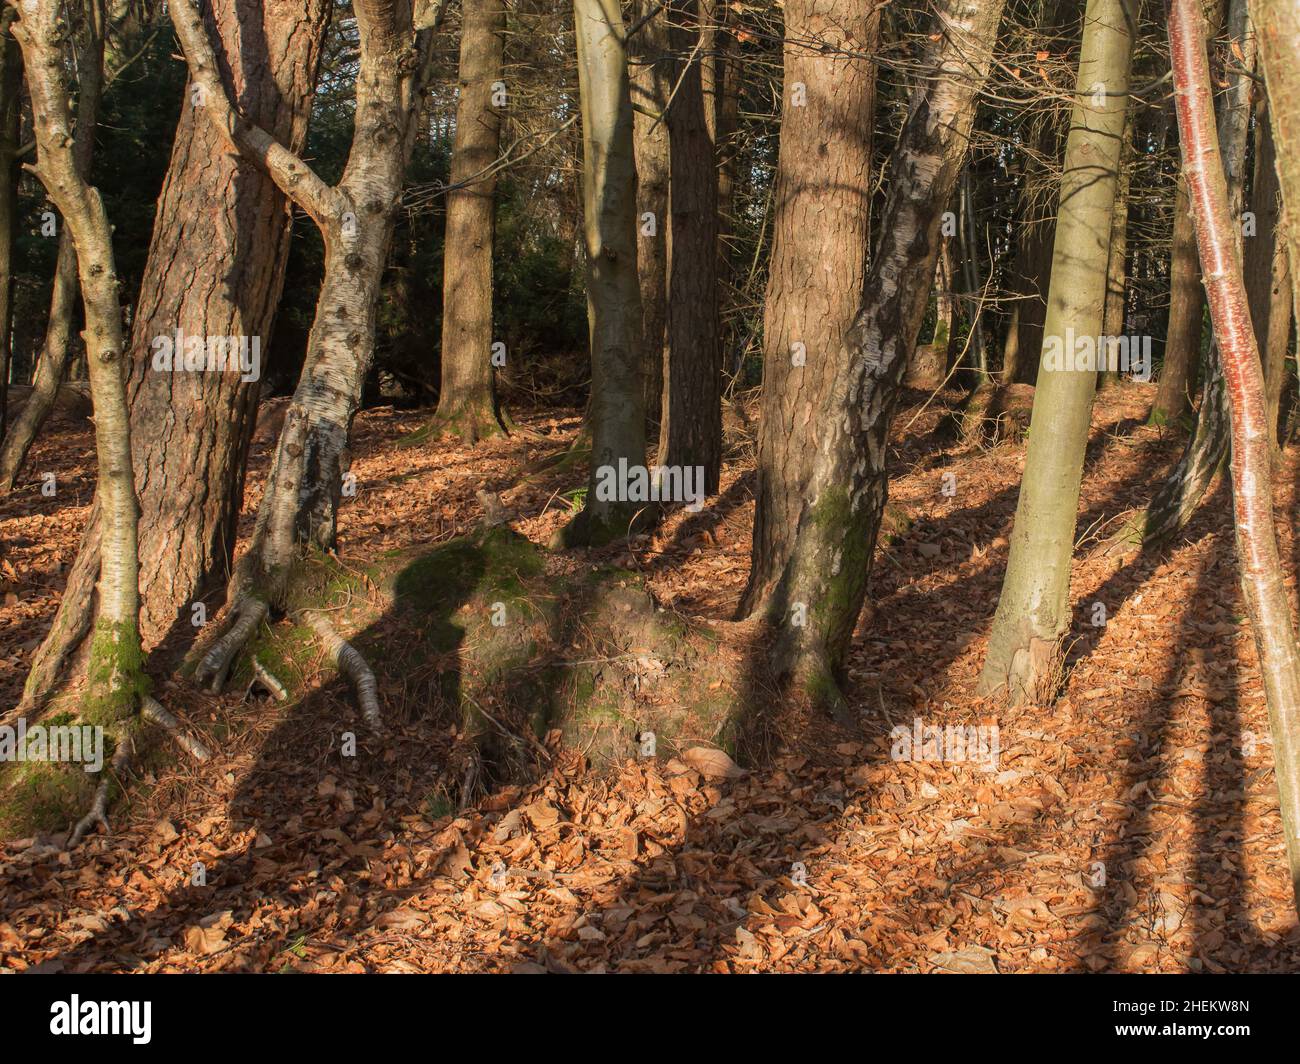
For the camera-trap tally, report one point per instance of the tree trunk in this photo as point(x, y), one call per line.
point(1186, 312)
point(215, 269)
point(1267, 274)
point(11, 85)
point(820, 237)
point(651, 85)
point(690, 433)
point(51, 368)
point(1116, 279)
point(817, 601)
point(1266, 598)
point(1177, 497)
point(1277, 28)
point(616, 414)
point(1033, 614)
point(116, 680)
point(467, 402)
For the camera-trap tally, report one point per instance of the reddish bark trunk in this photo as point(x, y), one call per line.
point(1261, 572)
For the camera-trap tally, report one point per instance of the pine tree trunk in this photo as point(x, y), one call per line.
point(467, 402)
point(1025, 646)
point(616, 414)
point(816, 603)
point(215, 268)
point(1266, 598)
point(818, 259)
point(690, 432)
point(651, 84)
point(1186, 312)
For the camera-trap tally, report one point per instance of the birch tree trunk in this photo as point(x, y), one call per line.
point(1261, 569)
point(300, 506)
point(616, 414)
point(116, 682)
point(51, 368)
point(820, 236)
point(1025, 645)
point(467, 402)
point(816, 603)
point(215, 268)
point(11, 84)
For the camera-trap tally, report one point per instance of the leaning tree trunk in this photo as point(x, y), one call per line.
point(1277, 28)
point(215, 268)
point(299, 509)
point(651, 85)
point(820, 236)
point(1177, 497)
point(1025, 646)
point(116, 679)
point(1266, 272)
point(1266, 598)
point(690, 432)
point(616, 414)
point(467, 401)
point(51, 369)
point(817, 601)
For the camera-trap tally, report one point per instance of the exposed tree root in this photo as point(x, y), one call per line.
point(99, 807)
point(153, 711)
point(264, 676)
point(351, 664)
point(249, 612)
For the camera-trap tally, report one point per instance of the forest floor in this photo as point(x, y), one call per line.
point(1132, 826)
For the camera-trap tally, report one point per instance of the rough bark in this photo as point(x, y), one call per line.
point(300, 507)
point(616, 414)
point(116, 681)
point(1024, 655)
point(1266, 598)
point(651, 85)
point(1186, 313)
point(690, 432)
point(467, 402)
point(820, 235)
point(819, 597)
point(215, 268)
